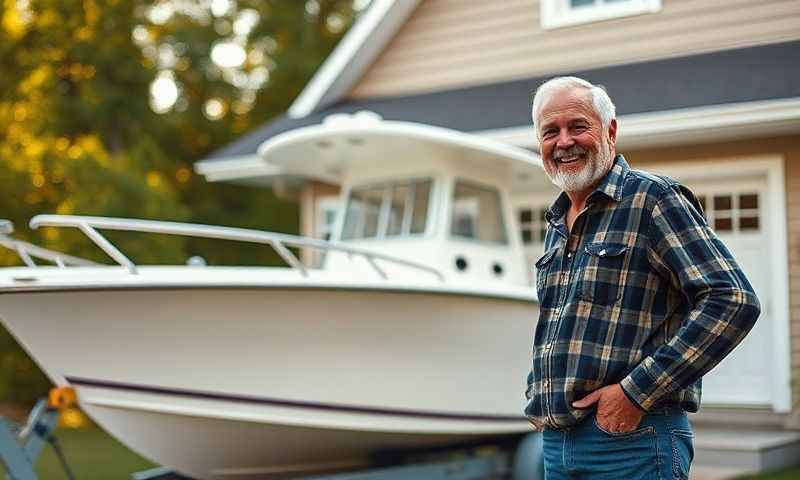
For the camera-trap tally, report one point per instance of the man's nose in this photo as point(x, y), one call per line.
point(564, 139)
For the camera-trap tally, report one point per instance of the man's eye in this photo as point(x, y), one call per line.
point(548, 133)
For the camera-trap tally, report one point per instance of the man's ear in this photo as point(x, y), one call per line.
point(612, 134)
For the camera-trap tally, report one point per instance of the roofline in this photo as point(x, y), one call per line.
point(685, 125)
point(644, 130)
point(360, 46)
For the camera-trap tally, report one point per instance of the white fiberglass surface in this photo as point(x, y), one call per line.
point(221, 449)
point(157, 277)
point(415, 353)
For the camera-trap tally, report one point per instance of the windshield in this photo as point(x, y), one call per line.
point(476, 213)
point(392, 209)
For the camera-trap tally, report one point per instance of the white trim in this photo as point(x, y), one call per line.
point(771, 166)
point(237, 168)
point(688, 125)
point(559, 13)
point(205, 167)
point(360, 46)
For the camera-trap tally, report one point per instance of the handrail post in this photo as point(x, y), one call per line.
point(107, 247)
point(23, 254)
point(288, 256)
point(376, 267)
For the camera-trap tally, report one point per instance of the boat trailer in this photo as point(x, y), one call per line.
point(20, 445)
point(522, 459)
point(525, 462)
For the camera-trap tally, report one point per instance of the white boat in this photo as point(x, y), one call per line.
point(415, 332)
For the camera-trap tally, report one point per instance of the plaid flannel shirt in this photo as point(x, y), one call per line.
point(641, 293)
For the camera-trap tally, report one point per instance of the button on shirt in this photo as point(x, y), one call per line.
point(641, 292)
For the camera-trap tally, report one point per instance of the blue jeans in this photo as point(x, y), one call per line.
point(659, 449)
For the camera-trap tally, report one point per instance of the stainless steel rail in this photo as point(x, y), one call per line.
point(278, 241)
point(28, 251)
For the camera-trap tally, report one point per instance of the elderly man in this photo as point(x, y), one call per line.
point(638, 300)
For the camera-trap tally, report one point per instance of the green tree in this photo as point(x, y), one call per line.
point(105, 105)
point(74, 139)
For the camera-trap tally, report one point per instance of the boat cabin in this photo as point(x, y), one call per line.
point(432, 195)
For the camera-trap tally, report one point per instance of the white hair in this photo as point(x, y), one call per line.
point(603, 105)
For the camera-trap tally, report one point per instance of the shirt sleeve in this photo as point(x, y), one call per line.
point(686, 251)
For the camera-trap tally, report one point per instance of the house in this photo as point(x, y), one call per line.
point(706, 92)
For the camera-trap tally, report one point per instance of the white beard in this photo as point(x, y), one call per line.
point(597, 166)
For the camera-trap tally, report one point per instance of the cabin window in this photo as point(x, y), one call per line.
point(387, 210)
point(476, 213)
point(563, 13)
point(397, 209)
point(420, 198)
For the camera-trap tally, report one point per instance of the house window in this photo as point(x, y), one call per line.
point(326, 216)
point(563, 13)
point(532, 225)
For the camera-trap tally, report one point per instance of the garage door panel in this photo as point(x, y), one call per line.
point(735, 210)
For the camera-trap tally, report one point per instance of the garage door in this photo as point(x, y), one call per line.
point(736, 211)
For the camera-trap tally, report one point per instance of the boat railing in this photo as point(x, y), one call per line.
point(28, 251)
point(278, 241)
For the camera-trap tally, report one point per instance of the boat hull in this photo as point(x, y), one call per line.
point(205, 447)
point(271, 381)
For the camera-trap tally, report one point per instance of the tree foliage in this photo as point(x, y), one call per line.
point(106, 104)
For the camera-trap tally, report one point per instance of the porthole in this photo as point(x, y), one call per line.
point(497, 269)
point(461, 264)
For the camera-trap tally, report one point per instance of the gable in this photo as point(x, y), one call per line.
point(449, 44)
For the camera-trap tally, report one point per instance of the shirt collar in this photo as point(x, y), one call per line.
point(610, 186)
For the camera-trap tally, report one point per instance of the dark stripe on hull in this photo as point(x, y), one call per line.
point(85, 382)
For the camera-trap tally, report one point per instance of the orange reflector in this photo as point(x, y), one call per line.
point(62, 397)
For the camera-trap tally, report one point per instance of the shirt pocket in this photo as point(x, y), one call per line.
point(543, 266)
point(546, 276)
point(600, 278)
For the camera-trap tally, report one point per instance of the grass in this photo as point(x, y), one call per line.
point(790, 474)
point(92, 454)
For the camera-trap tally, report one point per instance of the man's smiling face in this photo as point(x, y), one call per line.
point(575, 148)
